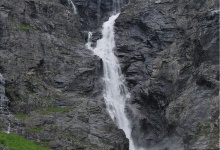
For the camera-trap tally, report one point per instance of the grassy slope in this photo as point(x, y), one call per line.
point(16, 142)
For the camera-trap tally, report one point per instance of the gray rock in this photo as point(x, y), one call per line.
point(54, 144)
point(168, 51)
point(3, 99)
point(51, 78)
point(3, 148)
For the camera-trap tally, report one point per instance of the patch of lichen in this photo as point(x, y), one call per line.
point(201, 130)
point(214, 137)
point(210, 131)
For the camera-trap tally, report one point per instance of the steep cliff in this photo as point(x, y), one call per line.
point(168, 51)
point(53, 82)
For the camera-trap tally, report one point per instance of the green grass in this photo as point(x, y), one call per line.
point(58, 109)
point(34, 129)
point(16, 142)
point(21, 116)
point(24, 27)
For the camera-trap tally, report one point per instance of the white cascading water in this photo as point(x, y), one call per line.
point(72, 5)
point(9, 128)
point(115, 92)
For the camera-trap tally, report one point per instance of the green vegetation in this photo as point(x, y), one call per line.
point(21, 116)
point(16, 142)
point(59, 109)
point(35, 129)
point(214, 137)
point(211, 133)
point(24, 26)
point(201, 131)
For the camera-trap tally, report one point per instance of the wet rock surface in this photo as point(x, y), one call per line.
point(168, 51)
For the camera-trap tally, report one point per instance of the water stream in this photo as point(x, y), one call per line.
point(73, 6)
point(9, 128)
point(115, 92)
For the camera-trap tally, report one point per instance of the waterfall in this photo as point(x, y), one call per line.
point(117, 5)
point(71, 4)
point(89, 41)
point(9, 128)
point(115, 92)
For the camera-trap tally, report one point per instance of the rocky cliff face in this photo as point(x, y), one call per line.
point(52, 81)
point(3, 99)
point(168, 51)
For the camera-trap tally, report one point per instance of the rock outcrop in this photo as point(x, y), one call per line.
point(168, 51)
point(93, 13)
point(53, 82)
point(3, 99)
